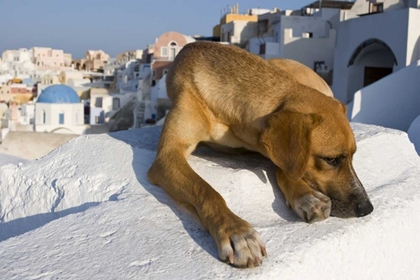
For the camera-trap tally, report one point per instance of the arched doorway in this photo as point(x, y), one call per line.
point(173, 47)
point(371, 61)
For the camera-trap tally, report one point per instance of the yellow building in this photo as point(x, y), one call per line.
point(227, 28)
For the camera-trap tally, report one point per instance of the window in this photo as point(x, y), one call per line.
point(377, 8)
point(115, 103)
point(262, 49)
point(164, 52)
point(165, 71)
point(44, 117)
point(98, 102)
point(154, 73)
point(61, 118)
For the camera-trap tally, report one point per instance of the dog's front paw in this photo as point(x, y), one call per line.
point(313, 207)
point(240, 244)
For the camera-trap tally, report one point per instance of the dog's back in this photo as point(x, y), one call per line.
point(303, 74)
point(226, 78)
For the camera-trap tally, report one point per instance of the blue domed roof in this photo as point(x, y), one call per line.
point(58, 94)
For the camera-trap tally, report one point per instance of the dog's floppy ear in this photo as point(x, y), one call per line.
point(287, 138)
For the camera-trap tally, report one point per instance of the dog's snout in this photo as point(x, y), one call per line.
point(364, 208)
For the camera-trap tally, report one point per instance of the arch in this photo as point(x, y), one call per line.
point(367, 44)
point(172, 49)
point(55, 130)
point(371, 61)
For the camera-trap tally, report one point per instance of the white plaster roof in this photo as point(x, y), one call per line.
point(87, 211)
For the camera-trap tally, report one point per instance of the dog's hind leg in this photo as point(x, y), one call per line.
point(185, 126)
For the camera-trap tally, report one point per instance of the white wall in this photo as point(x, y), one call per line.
point(271, 47)
point(318, 26)
point(98, 107)
point(240, 30)
point(159, 90)
point(413, 39)
point(272, 50)
point(97, 112)
point(391, 5)
point(27, 114)
point(73, 117)
point(308, 50)
point(326, 13)
point(150, 110)
point(391, 28)
point(391, 102)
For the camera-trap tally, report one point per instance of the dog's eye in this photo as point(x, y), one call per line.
point(333, 161)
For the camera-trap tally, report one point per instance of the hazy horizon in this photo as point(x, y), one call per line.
point(112, 26)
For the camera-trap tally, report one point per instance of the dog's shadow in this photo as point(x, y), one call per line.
point(264, 169)
point(259, 165)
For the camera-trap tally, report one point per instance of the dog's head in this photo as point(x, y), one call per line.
point(318, 148)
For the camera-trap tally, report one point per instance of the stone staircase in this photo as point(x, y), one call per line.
point(139, 114)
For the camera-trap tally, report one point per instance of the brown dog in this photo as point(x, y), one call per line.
point(226, 96)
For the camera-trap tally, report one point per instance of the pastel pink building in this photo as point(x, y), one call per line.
point(164, 51)
point(47, 57)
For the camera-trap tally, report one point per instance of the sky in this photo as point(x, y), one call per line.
point(113, 26)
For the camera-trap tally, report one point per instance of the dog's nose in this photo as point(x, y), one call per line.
point(364, 208)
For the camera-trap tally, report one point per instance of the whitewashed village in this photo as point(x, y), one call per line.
point(367, 51)
point(87, 211)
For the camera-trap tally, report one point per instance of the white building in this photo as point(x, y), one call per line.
point(377, 65)
point(160, 102)
point(104, 103)
point(383, 39)
point(17, 63)
point(110, 66)
point(59, 110)
point(127, 76)
point(143, 80)
point(27, 114)
point(307, 35)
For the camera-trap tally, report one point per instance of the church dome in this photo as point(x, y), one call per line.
point(58, 94)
